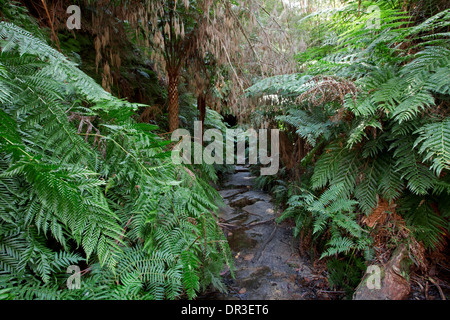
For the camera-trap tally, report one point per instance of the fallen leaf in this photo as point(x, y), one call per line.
point(249, 257)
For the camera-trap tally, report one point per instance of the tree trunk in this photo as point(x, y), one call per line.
point(201, 105)
point(173, 101)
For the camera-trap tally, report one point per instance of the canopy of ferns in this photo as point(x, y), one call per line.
point(372, 102)
point(82, 184)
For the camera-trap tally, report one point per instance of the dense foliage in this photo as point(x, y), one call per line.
point(359, 90)
point(83, 184)
point(372, 105)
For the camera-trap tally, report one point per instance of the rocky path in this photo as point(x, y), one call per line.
point(267, 262)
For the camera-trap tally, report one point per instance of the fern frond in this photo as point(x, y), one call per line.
point(419, 178)
point(427, 225)
point(434, 141)
point(327, 165)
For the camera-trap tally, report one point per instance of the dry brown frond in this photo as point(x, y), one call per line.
point(389, 231)
point(328, 89)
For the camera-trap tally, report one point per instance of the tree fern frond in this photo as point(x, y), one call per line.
point(434, 141)
point(327, 165)
point(427, 226)
point(419, 178)
point(338, 245)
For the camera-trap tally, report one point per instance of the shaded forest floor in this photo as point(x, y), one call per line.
point(267, 259)
point(268, 264)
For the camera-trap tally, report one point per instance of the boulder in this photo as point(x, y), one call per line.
point(386, 282)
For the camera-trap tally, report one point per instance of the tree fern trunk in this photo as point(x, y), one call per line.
point(173, 100)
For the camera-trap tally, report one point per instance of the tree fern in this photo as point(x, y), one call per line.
point(309, 126)
point(387, 140)
point(105, 194)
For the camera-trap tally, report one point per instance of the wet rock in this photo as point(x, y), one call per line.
point(247, 198)
point(241, 201)
point(240, 240)
point(257, 195)
point(253, 196)
point(239, 218)
point(256, 277)
point(228, 193)
point(260, 208)
point(241, 169)
point(240, 179)
point(227, 212)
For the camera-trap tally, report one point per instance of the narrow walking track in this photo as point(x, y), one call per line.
point(266, 258)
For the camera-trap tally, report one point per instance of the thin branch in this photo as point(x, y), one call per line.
point(270, 15)
point(231, 64)
point(246, 37)
point(51, 25)
point(438, 287)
